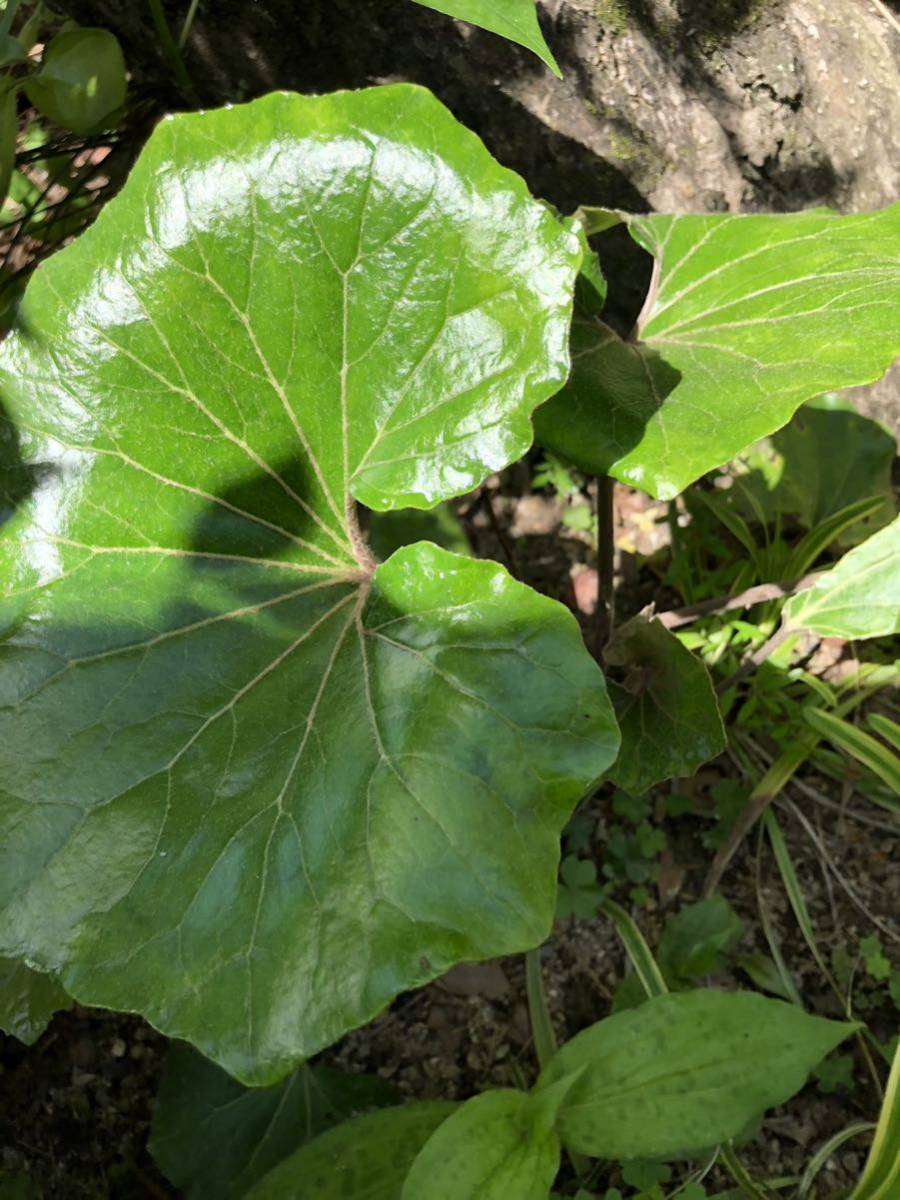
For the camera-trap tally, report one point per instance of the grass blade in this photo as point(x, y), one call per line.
point(880, 1179)
point(738, 1173)
point(878, 758)
point(771, 785)
point(817, 540)
point(784, 974)
point(538, 1012)
point(801, 912)
point(888, 729)
point(822, 1155)
point(795, 893)
point(645, 965)
point(736, 526)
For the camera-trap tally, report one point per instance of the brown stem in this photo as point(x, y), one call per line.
point(506, 545)
point(606, 552)
point(677, 617)
point(360, 546)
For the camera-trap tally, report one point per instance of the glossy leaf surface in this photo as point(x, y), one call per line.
point(81, 80)
point(665, 706)
point(491, 1148)
point(28, 999)
point(367, 1158)
point(214, 1139)
point(858, 598)
point(515, 20)
point(259, 787)
point(684, 1071)
point(748, 317)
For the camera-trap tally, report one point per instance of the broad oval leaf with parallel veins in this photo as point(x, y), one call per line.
point(859, 597)
point(254, 786)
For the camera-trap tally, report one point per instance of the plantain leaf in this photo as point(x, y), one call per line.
point(684, 1072)
point(367, 1158)
point(515, 20)
point(214, 1138)
point(859, 597)
point(28, 999)
point(747, 318)
point(665, 706)
point(253, 786)
point(491, 1148)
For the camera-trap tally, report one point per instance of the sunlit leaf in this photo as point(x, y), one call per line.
point(512, 19)
point(858, 598)
point(747, 318)
point(253, 785)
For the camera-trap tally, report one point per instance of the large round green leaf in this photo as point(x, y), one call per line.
point(747, 317)
point(253, 787)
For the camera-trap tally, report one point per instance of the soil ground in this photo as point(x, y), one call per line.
point(670, 105)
